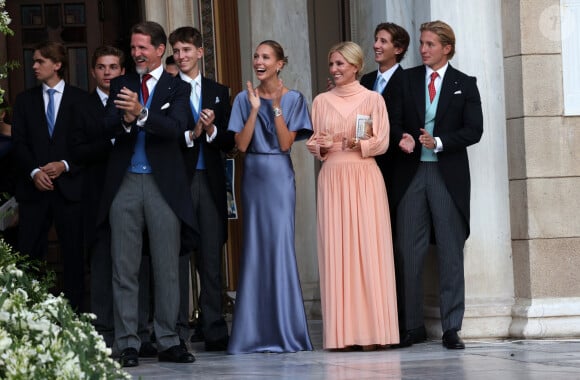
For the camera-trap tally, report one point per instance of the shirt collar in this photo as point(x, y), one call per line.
point(156, 73)
point(389, 73)
point(189, 80)
point(441, 71)
point(102, 95)
point(59, 87)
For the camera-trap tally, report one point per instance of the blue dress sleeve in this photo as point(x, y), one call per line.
point(240, 113)
point(297, 117)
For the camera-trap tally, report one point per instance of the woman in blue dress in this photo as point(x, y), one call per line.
point(269, 311)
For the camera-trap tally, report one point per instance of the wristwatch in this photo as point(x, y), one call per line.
point(277, 111)
point(143, 113)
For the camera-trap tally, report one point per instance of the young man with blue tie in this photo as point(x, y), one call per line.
point(206, 140)
point(441, 116)
point(48, 188)
point(390, 47)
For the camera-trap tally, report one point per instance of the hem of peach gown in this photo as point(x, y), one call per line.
point(366, 348)
point(359, 347)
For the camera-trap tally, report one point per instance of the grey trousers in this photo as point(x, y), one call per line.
point(139, 205)
point(102, 290)
point(426, 204)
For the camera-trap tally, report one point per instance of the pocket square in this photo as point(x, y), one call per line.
point(165, 106)
point(457, 92)
point(217, 99)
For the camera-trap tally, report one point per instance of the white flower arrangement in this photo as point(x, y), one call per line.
point(41, 337)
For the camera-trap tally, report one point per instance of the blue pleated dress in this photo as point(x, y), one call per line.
point(269, 310)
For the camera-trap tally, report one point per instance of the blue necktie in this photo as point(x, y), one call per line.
point(380, 84)
point(50, 117)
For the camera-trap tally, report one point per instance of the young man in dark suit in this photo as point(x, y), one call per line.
point(91, 148)
point(146, 189)
point(49, 185)
point(391, 44)
point(206, 139)
point(441, 116)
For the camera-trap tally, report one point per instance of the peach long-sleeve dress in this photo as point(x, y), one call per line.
point(355, 250)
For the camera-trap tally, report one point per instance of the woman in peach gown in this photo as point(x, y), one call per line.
point(355, 253)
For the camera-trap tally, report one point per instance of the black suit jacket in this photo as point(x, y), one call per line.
point(34, 147)
point(165, 126)
point(216, 97)
point(392, 96)
point(458, 123)
point(91, 147)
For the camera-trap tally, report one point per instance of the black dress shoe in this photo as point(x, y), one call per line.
point(452, 341)
point(410, 337)
point(129, 357)
point(147, 350)
point(176, 354)
point(217, 345)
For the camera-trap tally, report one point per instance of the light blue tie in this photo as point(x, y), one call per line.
point(380, 84)
point(50, 110)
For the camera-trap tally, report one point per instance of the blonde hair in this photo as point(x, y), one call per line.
point(445, 33)
point(352, 53)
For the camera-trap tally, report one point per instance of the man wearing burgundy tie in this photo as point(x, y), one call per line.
point(441, 116)
point(146, 190)
point(48, 187)
point(206, 139)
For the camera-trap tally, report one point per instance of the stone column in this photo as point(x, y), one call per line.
point(488, 261)
point(287, 22)
point(172, 14)
point(544, 173)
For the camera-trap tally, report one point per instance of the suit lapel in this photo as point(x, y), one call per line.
point(418, 90)
point(64, 101)
point(96, 105)
point(208, 98)
point(38, 104)
point(161, 89)
point(393, 79)
point(447, 88)
point(368, 80)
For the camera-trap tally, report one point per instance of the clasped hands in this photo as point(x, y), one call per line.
point(43, 178)
point(407, 143)
point(205, 122)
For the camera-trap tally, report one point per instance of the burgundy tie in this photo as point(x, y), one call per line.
point(144, 89)
point(431, 86)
